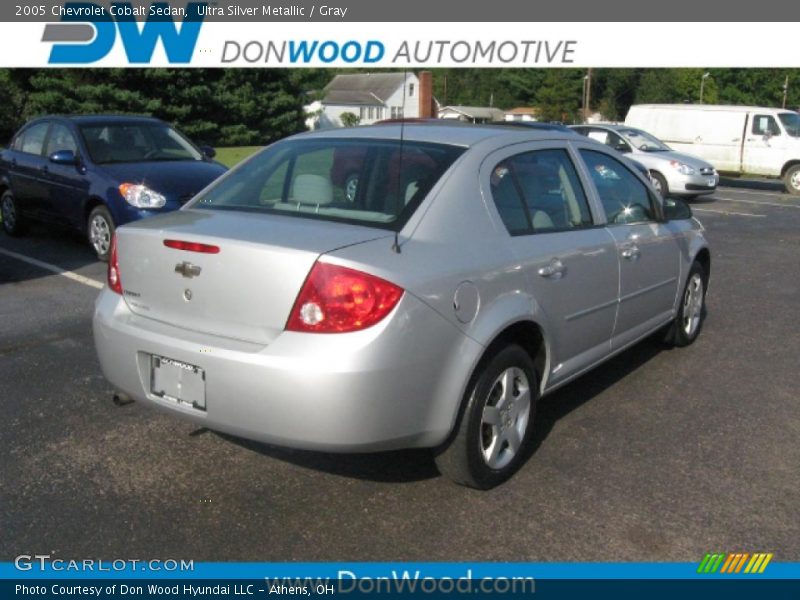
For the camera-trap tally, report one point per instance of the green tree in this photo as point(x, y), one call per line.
point(559, 97)
point(350, 119)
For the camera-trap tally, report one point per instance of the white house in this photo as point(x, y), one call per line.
point(472, 114)
point(525, 114)
point(371, 97)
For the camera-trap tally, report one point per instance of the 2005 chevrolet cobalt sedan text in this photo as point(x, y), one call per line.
point(471, 270)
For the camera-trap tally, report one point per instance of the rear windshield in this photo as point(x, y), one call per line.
point(372, 182)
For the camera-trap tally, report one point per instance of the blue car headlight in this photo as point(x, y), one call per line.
point(141, 196)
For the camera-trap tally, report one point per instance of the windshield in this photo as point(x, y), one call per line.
point(644, 141)
point(791, 123)
point(373, 182)
point(136, 142)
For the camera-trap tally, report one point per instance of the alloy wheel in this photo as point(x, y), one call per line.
point(505, 418)
point(693, 305)
point(100, 235)
point(9, 213)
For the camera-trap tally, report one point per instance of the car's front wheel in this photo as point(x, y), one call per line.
point(100, 230)
point(494, 431)
point(659, 183)
point(13, 222)
point(692, 309)
point(792, 180)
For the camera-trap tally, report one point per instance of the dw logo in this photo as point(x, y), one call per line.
point(88, 32)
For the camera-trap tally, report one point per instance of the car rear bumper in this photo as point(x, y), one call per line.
point(395, 385)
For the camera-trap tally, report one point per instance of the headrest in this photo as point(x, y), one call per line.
point(312, 189)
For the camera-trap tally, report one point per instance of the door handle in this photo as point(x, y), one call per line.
point(45, 169)
point(13, 162)
point(631, 252)
point(554, 269)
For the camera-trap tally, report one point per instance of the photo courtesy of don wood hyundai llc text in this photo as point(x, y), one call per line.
point(360, 299)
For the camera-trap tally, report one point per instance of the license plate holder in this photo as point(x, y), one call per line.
point(178, 382)
point(711, 182)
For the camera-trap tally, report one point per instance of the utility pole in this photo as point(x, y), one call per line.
point(785, 90)
point(588, 98)
point(703, 84)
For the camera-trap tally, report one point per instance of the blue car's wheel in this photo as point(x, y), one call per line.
point(13, 221)
point(100, 230)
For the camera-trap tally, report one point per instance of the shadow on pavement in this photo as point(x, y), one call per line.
point(59, 247)
point(766, 185)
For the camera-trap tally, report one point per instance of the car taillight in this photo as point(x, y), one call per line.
point(114, 282)
point(336, 299)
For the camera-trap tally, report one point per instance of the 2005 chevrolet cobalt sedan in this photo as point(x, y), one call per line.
point(471, 270)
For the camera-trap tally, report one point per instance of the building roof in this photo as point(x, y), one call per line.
point(363, 88)
point(523, 110)
point(476, 112)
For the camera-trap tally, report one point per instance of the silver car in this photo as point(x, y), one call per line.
point(672, 173)
point(474, 270)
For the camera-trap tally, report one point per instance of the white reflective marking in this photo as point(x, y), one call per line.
point(54, 269)
point(779, 204)
point(727, 212)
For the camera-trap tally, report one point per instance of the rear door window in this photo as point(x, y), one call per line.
point(31, 141)
point(539, 191)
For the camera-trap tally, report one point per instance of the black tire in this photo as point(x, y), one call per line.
point(792, 180)
point(14, 222)
point(463, 458)
point(99, 231)
point(679, 333)
point(660, 183)
point(351, 187)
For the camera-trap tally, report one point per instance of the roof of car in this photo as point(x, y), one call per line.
point(457, 134)
point(613, 126)
point(94, 119)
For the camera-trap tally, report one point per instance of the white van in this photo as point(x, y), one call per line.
point(735, 139)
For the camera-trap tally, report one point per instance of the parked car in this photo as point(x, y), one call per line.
point(94, 173)
point(672, 173)
point(735, 139)
point(432, 311)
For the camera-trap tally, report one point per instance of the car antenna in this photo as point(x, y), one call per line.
point(396, 244)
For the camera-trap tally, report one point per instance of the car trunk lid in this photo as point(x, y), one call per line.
point(246, 289)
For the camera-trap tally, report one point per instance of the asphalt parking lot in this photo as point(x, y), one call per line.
point(657, 455)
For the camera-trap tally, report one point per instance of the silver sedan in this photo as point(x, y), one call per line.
point(472, 270)
point(672, 173)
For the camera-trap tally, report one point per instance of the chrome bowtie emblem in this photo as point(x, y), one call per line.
point(187, 269)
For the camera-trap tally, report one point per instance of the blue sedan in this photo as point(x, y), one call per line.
point(95, 173)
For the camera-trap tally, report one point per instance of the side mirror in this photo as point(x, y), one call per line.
point(623, 148)
point(208, 151)
point(64, 157)
point(676, 209)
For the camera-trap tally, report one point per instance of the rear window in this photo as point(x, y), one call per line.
point(379, 183)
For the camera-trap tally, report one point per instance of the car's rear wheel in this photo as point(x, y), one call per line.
point(13, 222)
point(100, 230)
point(659, 183)
point(792, 180)
point(691, 311)
point(494, 431)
